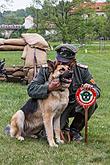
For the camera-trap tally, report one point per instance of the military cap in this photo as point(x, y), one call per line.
point(65, 52)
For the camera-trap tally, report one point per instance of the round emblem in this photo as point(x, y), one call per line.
point(85, 98)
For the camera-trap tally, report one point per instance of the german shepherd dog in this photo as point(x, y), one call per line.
point(48, 111)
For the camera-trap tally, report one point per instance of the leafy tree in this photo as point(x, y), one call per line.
point(55, 16)
point(107, 28)
point(13, 17)
point(99, 26)
point(68, 26)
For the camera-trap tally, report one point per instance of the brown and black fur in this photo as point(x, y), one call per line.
point(47, 114)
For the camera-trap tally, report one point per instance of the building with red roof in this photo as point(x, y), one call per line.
point(98, 7)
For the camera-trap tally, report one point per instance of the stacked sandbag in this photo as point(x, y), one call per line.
point(35, 40)
point(34, 48)
point(12, 74)
point(34, 54)
point(14, 44)
point(15, 41)
point(36, 45)
point(16, 71)
point(15, 74)
point(2, 41)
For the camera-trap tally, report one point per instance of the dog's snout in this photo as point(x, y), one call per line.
point(71, 72)
point(67, 68)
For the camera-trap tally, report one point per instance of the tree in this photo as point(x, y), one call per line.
point(107, 28)
point(68, 26)
point(99, 26)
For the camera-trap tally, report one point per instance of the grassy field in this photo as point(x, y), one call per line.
point(37, 152)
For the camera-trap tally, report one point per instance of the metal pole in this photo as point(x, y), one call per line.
point(86, 125)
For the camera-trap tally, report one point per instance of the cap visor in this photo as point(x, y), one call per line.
point(61, 59)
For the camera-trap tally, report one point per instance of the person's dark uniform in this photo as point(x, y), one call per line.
point(38, 89)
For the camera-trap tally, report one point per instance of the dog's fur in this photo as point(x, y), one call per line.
point(48, 113)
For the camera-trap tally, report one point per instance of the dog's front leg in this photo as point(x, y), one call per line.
point(57, 130)
point(48, 124)
point(17, 125)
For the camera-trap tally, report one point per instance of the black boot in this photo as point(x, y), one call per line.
point(76, 126)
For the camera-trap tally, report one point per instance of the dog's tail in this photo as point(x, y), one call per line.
point(7, 129)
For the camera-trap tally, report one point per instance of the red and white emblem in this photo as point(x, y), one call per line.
point(85, 98)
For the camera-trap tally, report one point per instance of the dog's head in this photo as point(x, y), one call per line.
point(63, 74)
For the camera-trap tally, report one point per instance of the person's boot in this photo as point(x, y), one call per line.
point(76, 126)
point(76, 136)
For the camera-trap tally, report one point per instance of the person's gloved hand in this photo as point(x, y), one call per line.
point(54, 85)
point(87, 86)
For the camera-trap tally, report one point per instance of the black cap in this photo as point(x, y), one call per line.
point(65, 52)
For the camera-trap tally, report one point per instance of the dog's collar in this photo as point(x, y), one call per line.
point(62, 89)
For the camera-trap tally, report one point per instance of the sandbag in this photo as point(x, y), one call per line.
point(35, 40)
point(2, 41)
point(2, 78)
point(15, 41)
point(11, 70)
point(14, 79)
point(29, 55)
point(34, 48)
point(30, 75)
point(41, 57)
point(11, 48)
point(18, 74)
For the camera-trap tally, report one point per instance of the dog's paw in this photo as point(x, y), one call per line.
point(34, 136)
point(20, 138)
point(53, 145)
point(12, 136)
point(59, 141)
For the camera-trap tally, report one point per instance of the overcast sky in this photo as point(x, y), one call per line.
point(17, 4)
point(21, 4)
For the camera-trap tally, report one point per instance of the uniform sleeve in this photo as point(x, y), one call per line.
point(38, 88)
point(88, 78)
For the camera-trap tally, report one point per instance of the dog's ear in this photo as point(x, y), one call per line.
point(56, 63)
point(51, 65)
point(72, 63)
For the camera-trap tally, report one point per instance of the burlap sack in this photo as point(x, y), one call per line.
point(15, 41)
point(12, 69)
point(41, 57)
point(28, 56)
point(33, 56)
point(18, 74)
point(30, 75)
point(2, 41)
point(11, 48)
point(35, 40)
point(2, 78)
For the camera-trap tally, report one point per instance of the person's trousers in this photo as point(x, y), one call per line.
point(76, 111)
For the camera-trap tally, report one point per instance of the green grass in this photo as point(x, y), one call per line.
point(37, 152)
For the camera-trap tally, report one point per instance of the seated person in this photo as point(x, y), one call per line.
point(40, 87)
